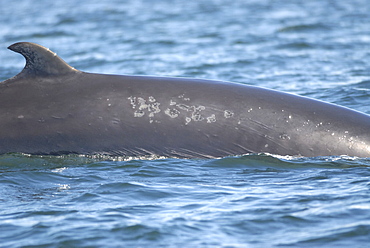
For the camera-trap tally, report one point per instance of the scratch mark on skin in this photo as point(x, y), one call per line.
point(183, 107)
point(116, 121)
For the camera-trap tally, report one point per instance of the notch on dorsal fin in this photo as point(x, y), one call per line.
point(40, 61)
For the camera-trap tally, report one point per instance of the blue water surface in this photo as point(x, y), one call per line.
point(316, 48)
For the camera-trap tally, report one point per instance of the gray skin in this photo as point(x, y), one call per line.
point(52, 108)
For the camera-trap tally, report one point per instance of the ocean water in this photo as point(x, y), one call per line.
point(319, 49)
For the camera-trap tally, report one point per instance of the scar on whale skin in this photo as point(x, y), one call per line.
point(211, 119)
point(173, 113)
point(140, 104)
point(228, 114)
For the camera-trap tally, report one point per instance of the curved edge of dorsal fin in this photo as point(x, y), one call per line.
point(40, 61)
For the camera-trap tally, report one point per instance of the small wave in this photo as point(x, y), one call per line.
point(304, 28)
point(39, 35)
point(296, 46)
point(364, 85)
point(16, 161)
point(337, 235)
point(264, 160)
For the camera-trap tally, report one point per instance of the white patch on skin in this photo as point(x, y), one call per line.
point(228, 114)
point(142, 106)
point(149, 106)
point(211, 119)
point(187, 120)
point(183, 107)
point(284, 136)
point(132, 101)
point(142, 103)
point(196, 116)
point(183, 97)
point(173, 113)
point(139, 113)
point(154, 107)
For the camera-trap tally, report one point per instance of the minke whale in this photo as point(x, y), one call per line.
point(50, 108)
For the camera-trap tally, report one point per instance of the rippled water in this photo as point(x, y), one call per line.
point(319, 49)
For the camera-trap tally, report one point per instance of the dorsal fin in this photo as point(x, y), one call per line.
point(40, 60)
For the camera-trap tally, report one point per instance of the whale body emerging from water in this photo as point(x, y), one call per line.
point(52, 108)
